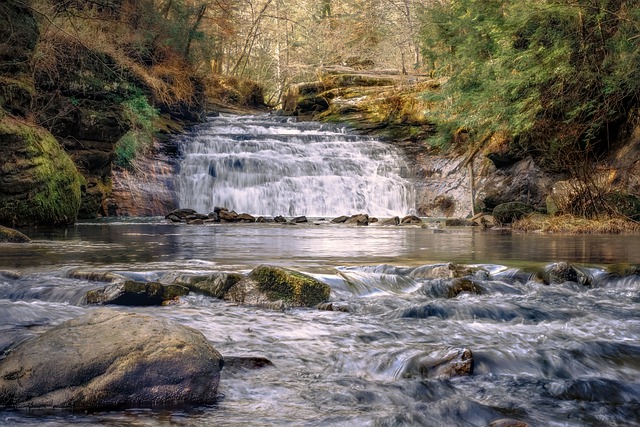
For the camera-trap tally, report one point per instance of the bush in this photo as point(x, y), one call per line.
point(506, 213)
point(141, 118)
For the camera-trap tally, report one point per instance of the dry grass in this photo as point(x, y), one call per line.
point(575, 225)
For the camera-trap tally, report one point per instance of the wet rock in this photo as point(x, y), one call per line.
point(560, 272)
point(197, 216)
point(180, 214)
point(195, 222)
point(214, 216)
point(174, 218)
point(460, 285)
point(10, 274)
point(411, 220)
point(391, 221)
point(300, 220)
point(483, 220)
point(96, 276)
point(235, 364)
point(358, 219)
point(108, 359)
point(266, 285)
point(507, 422)
point(442, 364)
point(135, 293)
point(214, 284)
point(280, 219)
point(340, 220)
point(506, 213)
point(9, 235)
point(228, 216)
point(245, 217)
point(334, 306)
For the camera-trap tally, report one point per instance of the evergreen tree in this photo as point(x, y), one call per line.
point(559, 76)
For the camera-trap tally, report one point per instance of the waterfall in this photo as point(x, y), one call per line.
point(266, 165)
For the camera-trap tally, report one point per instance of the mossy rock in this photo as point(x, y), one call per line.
point(39, 184)
point(9, 235)
point(506, 213)
point(290, 286)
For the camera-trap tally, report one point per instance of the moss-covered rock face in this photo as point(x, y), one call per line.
point(39, 184)
point(290, 286)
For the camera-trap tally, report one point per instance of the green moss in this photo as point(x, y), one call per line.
point(39, 184)
point(290, 286)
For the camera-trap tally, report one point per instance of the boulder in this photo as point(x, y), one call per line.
point(228, 216)
point(180, 214)
point(108, 359)
point(245, 217)
point(135, 293)
point(280, 219)
point(358, 219)
point(410, 220)
point(214, 284)
point(269, 284)
point(9, 235)
point(441, 364)
point(461, 285)
point(340, 220)
point(300, 220)
point(391, 221)
point(506, 213)
point(560, 272)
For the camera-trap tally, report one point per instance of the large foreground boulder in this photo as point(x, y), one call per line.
point(108, 359)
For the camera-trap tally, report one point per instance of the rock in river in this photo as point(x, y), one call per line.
point(135, 293)
point(108, 359)
point(268, 284)
point(9, 235)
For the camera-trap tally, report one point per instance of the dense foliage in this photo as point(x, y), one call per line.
point(559, 76)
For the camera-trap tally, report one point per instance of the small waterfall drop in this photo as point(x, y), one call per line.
point(266, 165)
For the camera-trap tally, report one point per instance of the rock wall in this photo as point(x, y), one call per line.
point(391, 107)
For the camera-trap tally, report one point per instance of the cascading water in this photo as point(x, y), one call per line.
point(268, 165)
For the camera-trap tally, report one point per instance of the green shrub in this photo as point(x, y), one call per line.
point(141, 118)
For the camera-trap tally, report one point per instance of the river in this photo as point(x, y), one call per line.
point(565, 354)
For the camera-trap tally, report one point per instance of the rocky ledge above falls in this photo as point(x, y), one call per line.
point(390, 105)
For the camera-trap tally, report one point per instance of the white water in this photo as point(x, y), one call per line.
point(266, 165)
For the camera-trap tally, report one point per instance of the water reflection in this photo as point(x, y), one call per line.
point(158, 243)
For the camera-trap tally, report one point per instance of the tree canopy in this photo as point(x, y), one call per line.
point(559, 76)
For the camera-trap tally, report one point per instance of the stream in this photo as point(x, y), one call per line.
point(565, 354)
